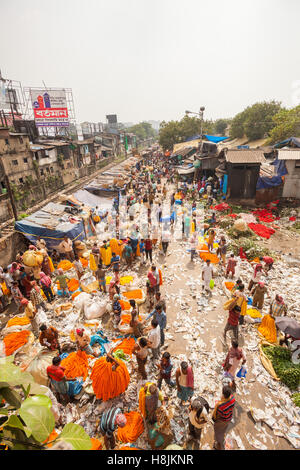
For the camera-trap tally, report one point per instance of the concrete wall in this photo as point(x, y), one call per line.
point(5, 208)
point(291, 186)
point(266, 195)
point(9, 247)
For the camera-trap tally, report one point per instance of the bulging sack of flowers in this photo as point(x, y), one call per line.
point(38, 367)
point(32, 258)
point(81, 300)
point(240, 225)
point(94, 308)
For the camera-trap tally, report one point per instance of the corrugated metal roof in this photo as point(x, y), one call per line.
point(289, 154)
point(183, 145)
point(245, 156)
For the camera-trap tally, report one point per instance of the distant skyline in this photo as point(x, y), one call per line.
point(151, 60)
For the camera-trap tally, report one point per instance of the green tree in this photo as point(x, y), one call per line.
point(259, 119)
point(255, 121)
point(143, 130)
point(173, 132)
point(237, 126)
point(220, 126)
point(286, 124)
point(26, 418)
point(169, 134)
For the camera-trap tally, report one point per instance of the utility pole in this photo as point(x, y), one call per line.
point(10, 193)
point(2, 168)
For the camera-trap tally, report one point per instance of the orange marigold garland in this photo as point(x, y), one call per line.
point(126, 317)
point(133, 428)
point(73, 285)
point(133, 294)
point(126, 346)
point(96, 444)
point(76, 365)
point(108, 383)
point(65, 265)
point(18, 321)
point(128, 448)
point(14, 341)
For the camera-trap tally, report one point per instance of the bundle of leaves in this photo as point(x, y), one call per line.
point(288, 372)
point(234, 233)
point(252, 249)
point(226, 222)
point(296, 399)
point(295, 227)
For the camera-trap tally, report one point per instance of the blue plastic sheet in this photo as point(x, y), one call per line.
point(100, 339)
point(284, 143)
point(75, 387)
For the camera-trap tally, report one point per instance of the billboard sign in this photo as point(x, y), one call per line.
point(49, 107)
point(111, 118)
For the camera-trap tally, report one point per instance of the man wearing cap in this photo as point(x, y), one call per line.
point(110, 421)
point(83, 342)
point(233, 322)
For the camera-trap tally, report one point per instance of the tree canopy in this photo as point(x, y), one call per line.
point(143, 130)
point(286, 124)
point(255, 121)
point(173, 132)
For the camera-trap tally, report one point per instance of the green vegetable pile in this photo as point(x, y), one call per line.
point(296, 399)
point(119, 354)
point(288, 372)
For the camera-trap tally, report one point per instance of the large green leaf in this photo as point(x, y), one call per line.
point(14, 434)
point(14, 422)
point(38, 417)
point(11, 397)
point(11, 374)
point(76, 436)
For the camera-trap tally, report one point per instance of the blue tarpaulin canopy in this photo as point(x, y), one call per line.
point(212, 138)
point(52, 224)
point(265, 182)
point(284, 143)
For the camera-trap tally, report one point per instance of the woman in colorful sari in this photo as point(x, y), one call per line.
point(105, 252)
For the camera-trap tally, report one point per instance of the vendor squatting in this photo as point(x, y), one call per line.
point(166, 460)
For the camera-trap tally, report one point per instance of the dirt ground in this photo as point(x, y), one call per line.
point(186, 270)
point(178, 271)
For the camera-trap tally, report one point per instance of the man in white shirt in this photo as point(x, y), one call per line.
point(66, 248)
point(207, 276)
point(154, 338)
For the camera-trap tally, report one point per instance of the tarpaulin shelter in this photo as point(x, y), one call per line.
point(52, 224)
point(291, 142)
point(212, 138)
point(91, 200)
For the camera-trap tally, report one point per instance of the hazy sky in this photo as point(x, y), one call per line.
point(153, 59)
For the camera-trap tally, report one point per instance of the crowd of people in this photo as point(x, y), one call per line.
point(153, 185)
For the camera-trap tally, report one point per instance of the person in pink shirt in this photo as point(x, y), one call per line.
point(45, 282)
point(231, 266)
